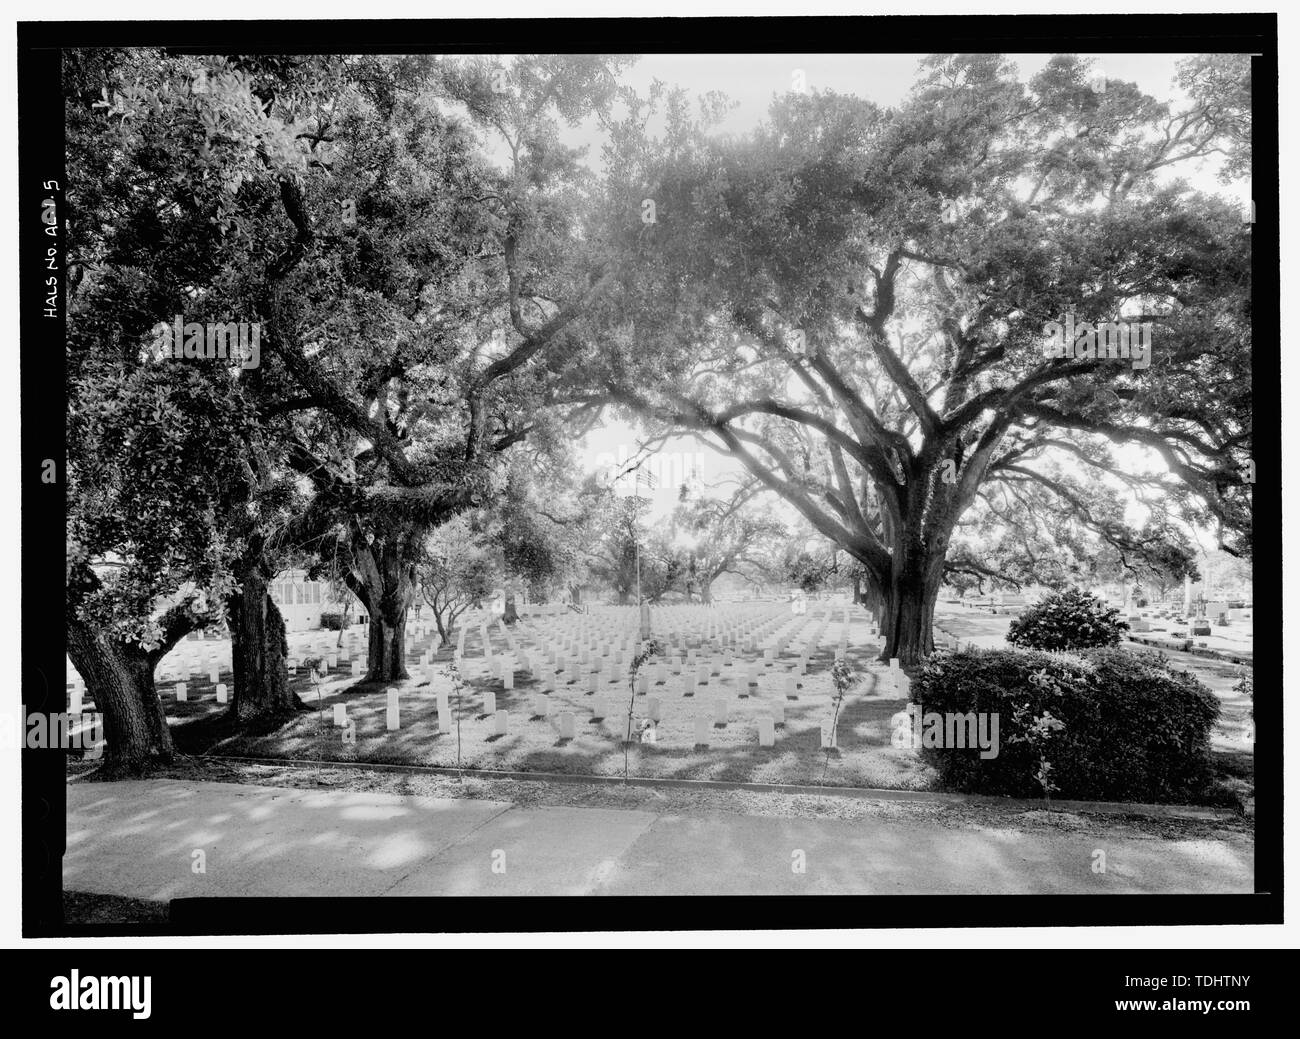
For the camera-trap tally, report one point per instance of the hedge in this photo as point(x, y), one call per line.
point(1134, 729)
point(1067, 620)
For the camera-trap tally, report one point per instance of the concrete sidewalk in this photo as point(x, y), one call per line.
point(140, 839)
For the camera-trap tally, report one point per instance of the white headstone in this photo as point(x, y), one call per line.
point(566, 725)
point(766, 733)
point(702, 732)
point(598, 708)
point(720, 710)
point(502, 722)
point(340, 714)
point(394, 711)
point(489, 702)
point(181, 695)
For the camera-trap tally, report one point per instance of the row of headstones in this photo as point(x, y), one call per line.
point(323, 643)
point(672, 620)
point(563, 642)
point(573, 670)
point(567, 720)
point(587, 661)
point(187, 663)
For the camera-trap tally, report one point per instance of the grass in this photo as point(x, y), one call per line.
point(533, 744)
point(865, 756)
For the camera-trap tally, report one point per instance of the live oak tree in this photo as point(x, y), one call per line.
point(164, 451)
point(1078, 531)
point(457, 573)
point(852, 301)
point(731, 535)
point(470, 275)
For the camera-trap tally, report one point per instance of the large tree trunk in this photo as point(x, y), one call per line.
point(384, 579)
point(874, 602)
point(908, 613)
point(121, 683)
point(387, 647)
point(259, 650)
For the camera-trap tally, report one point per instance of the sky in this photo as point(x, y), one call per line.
point(751, 81)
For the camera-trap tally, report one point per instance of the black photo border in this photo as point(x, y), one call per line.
point(43, 405)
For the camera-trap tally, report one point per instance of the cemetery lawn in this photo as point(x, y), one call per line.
point(865, 757)
point(533, 744)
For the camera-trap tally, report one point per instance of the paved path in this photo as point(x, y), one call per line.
point(138, 839)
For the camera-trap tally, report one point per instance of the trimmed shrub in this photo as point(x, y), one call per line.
point(1134, 729)
point(334, 621)
point(1072, 619)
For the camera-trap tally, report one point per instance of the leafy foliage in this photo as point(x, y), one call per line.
point(1072, 619)
point(1132, 728)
